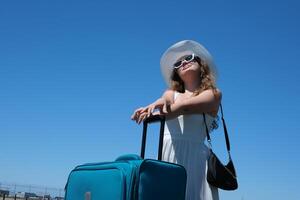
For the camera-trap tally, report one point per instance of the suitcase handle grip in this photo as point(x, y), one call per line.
point(153, 119)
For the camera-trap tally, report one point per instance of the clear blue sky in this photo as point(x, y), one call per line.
point(72, 72)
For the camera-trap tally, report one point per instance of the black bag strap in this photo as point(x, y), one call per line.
point(225, 132)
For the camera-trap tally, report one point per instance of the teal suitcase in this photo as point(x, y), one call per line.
point(129, 177)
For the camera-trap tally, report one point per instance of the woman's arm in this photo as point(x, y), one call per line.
point(205, 102)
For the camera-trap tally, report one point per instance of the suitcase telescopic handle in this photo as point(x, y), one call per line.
point(153, 119)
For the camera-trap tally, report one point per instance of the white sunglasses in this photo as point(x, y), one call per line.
point(187, 59)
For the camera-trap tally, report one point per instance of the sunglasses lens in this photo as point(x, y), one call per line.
point(177, 64)
point(189, 58)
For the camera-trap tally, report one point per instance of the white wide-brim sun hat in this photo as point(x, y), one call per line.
point(180, 49)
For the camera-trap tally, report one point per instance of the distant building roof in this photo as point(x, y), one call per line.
point(4, 192)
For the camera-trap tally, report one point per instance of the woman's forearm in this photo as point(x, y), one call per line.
point(180, 108)
point(159, 101)
point(204, 103)
point(174, 110)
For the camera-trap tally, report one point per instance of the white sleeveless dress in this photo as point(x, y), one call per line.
point(183, 144)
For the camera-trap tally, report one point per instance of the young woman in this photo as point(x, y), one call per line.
point(190, 73)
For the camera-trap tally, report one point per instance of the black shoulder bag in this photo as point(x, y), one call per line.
point(219, 175)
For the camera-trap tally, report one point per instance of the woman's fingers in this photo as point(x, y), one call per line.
point(142, 117)
point(136, 113)
point(150, 110)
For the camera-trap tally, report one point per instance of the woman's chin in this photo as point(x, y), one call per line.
point(188, 70)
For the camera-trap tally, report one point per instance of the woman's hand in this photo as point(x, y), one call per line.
point(137, 114)
point(143, 113)
point(160, 104)
point(143, 116)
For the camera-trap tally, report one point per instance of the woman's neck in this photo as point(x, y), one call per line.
point(191, 85)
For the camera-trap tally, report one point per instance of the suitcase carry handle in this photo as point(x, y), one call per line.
point(153, 119)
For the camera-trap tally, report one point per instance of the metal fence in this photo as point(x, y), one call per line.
point(19, 191)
